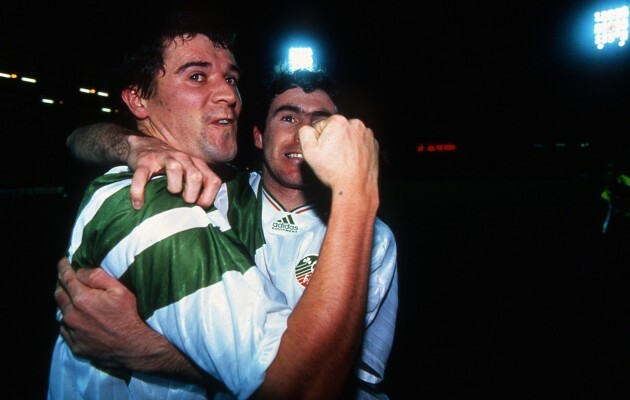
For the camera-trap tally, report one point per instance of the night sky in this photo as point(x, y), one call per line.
point(474, 72)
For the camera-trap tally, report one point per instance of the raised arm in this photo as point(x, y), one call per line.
point(325, 329)
point(106, 143)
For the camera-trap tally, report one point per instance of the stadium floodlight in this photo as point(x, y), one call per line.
point(611, 26)
point(300, 58)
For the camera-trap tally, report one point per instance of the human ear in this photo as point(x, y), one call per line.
point(257, 137)
point(134, 102)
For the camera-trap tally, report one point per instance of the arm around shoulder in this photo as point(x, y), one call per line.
point(102, 143)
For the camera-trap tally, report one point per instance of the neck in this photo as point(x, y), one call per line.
point(292, 198)
point(289, 198)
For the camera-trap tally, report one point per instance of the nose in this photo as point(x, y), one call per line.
point(227, 93)
point(305, 121)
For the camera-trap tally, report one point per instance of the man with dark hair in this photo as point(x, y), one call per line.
point(292, 210)
point(190, 270)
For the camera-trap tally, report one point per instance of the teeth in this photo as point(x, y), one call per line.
point(223, 121)
point(295, 155)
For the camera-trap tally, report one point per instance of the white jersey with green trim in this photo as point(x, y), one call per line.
point(195, 283)
point(288, 254)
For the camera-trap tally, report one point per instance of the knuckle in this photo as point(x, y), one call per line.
point(173, 165)
point(65, 276)
point(59, 294)
point(141, 175)
point(135, 190)
point(79, 302)
point(214, 181)
point(195, 176)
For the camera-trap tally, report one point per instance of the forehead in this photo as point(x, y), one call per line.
point(195, 49)
point(308, 102)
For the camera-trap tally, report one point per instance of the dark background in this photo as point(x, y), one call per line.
point(508, 289)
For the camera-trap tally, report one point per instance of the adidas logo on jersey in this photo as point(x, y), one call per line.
point(285, 224)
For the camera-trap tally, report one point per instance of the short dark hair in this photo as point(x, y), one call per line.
point(282, 79)
point(143, 57)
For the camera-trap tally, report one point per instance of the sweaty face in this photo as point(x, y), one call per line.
point(197, 102)
point(283, 162)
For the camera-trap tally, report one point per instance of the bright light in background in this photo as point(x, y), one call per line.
point(48, 100)
point(51, 101)
point(93, 91)
point(582, 51)
point(14, 76)
point(611, 26)
point(300, 58)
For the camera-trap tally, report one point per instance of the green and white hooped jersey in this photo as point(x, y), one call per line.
point(207, 276)
point(289, 248)
point(204, 295)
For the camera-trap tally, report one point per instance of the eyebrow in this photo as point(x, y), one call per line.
point(204, 64)
point(301, 111)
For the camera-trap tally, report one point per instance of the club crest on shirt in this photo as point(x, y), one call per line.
point(304, 269)
point(285, 224)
